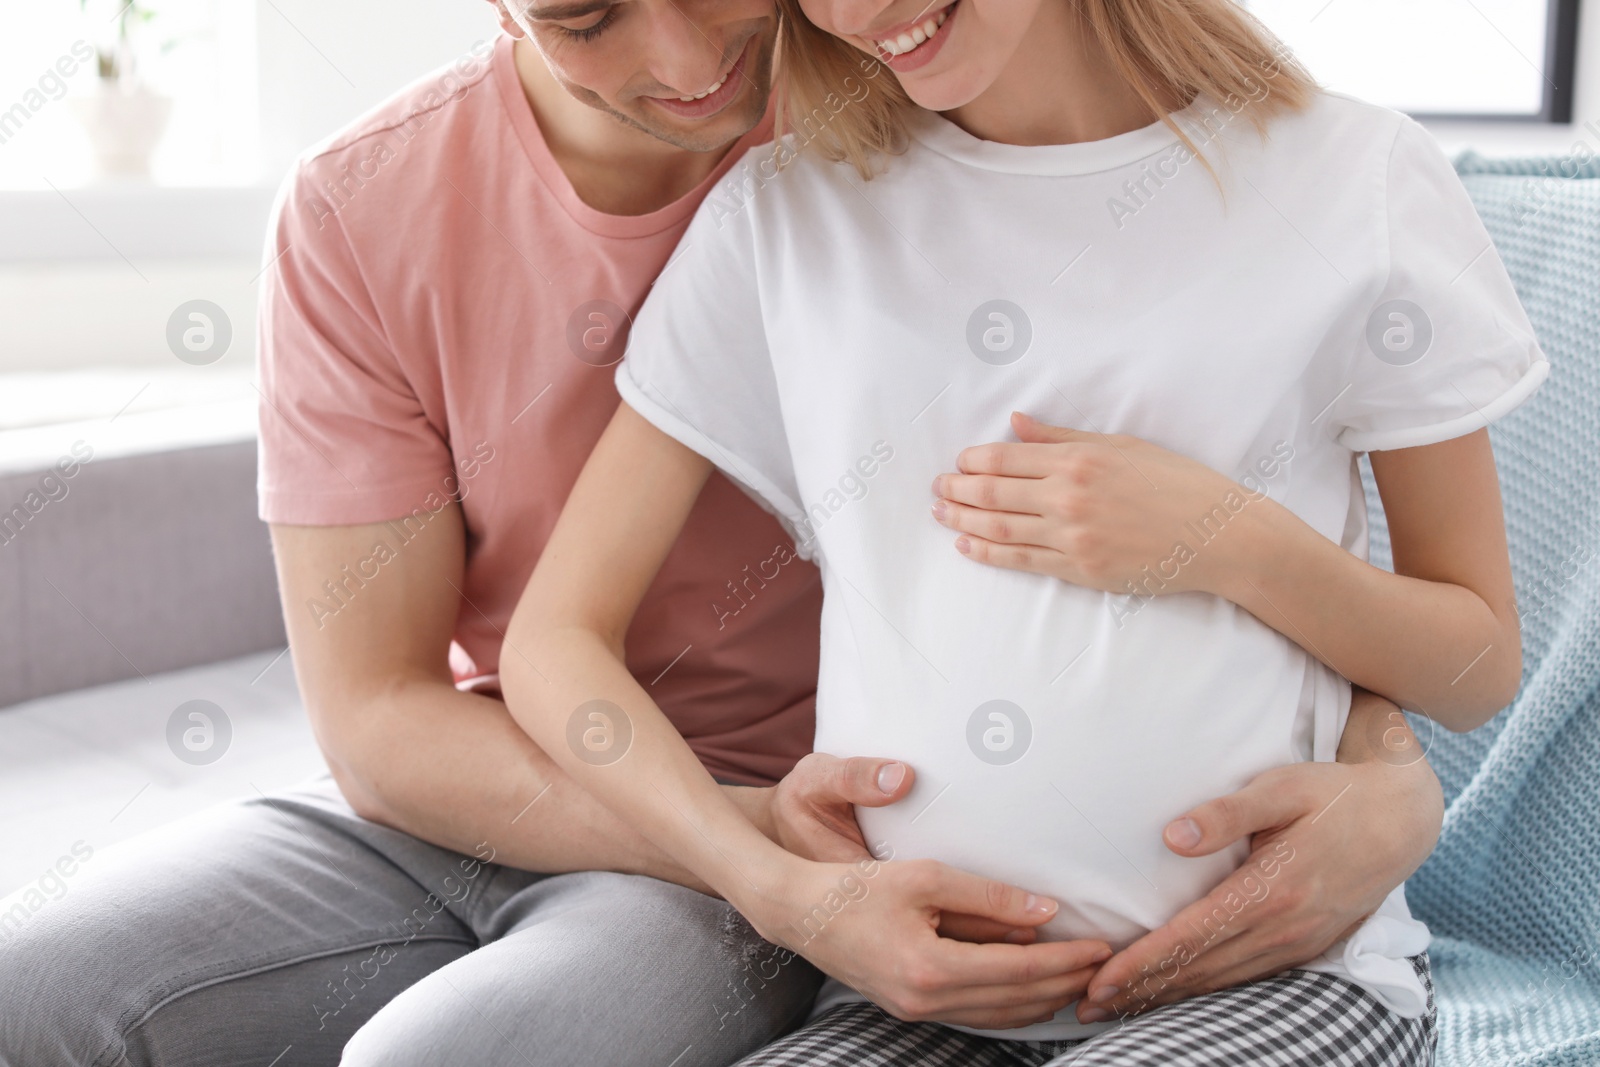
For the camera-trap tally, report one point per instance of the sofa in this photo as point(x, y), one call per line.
point(1512, 893)
point(154, 589)
point(135, 579)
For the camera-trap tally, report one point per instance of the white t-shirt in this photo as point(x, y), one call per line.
point(833, 344)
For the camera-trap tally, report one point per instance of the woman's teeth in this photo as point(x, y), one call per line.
point(904, 43)
point(708, 92)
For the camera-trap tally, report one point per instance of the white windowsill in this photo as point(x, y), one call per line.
point(134, 222)
point(191, 425)
point(1501, 139)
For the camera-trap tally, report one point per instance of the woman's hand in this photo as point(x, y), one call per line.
point(1093, 509)
point(1328, 842)
point(874, 925)
point(1122, 515)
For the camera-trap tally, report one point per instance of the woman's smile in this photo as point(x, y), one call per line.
point(911, 46)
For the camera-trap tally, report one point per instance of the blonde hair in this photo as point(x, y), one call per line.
point(1167, 50)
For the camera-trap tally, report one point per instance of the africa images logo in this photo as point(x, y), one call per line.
point(999, 732)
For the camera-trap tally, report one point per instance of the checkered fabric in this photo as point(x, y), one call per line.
point(1292, 1020)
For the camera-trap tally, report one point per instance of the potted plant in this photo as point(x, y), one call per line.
point(123, 117)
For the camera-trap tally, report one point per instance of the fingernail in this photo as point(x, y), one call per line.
point(1184, 833)
point(1100, 956)
point(939, 510)
point(1039, 905)
point(1104, 995)
point(937, 491)
point(890, 775)
point(1092, 1015)
point(1019, 937)
point(963, 545)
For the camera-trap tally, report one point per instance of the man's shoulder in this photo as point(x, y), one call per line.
point(425, 120)
point(417, 105)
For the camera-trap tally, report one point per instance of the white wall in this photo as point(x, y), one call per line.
point(320, 65)
point(324, 63)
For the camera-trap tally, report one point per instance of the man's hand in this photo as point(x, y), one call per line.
point(812, 814)
point(813, 808)
point(1328, 842)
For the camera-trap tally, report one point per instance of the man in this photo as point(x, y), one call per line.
point(451, 279)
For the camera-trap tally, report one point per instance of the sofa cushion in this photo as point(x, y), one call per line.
point(146, 557)
point(1513, 892)
point(97, 765)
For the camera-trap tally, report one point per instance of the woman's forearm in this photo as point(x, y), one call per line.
point(1440, 635)
point(1432, 646)
point(575, 697)
point(566, 682)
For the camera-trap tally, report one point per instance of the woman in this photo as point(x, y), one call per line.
point(1134, 218)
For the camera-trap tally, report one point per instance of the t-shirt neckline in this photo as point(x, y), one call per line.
point(519, 114)
point(939, 134)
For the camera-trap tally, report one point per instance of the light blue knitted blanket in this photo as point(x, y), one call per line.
point(1513, 892)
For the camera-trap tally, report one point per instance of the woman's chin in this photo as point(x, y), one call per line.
point(942, 92)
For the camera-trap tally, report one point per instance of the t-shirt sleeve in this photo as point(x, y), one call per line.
point(698, 365)
point(344, 439)
point(1447, 348)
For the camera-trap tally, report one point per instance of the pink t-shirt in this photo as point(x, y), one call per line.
point(440, 320)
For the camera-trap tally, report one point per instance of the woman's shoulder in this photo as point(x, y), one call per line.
point(775, 177)
point(1339, 129)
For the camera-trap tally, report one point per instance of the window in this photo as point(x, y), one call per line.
point(198, 53)
point(1480, 59)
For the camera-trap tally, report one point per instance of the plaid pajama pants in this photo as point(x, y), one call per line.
point(1296, 1019)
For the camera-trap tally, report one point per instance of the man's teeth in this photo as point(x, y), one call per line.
point(708, 92)
point(904, 43)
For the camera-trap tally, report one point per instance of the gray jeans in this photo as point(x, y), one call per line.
point(288, 931)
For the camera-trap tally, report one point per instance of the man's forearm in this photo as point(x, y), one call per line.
point(453, 769)
point(1378, 731)
point(1378, 738)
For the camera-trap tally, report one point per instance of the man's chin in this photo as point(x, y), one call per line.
point(712, 133)
point(704, 135)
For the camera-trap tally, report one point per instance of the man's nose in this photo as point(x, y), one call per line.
point(688, 52)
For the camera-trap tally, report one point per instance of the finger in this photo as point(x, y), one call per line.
point(868, 781)
point(1264, 804)
point(1000, 527)
point(1029, 428)
point(977, 929)
point(1050, 993)
point(1239, 920)
point(951, 889)
point(1023, 969)
point(1239, 961)
point(1035, 559)
point(991, 492)
point(1161, 955)
point(1027, 460)
point(1003, 1008)
point(1007, 1018)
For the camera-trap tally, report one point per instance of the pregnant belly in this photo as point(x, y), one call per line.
point(1056, 769)
point(1094, 848)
